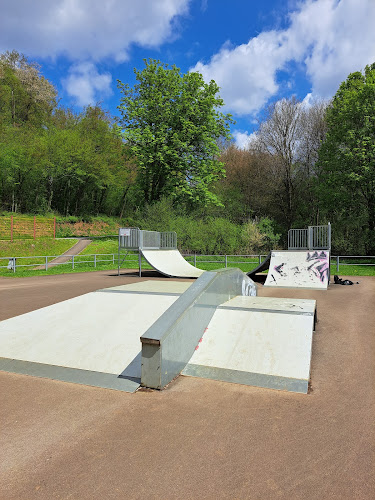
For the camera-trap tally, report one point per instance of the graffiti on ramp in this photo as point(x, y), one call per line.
point(299, 269)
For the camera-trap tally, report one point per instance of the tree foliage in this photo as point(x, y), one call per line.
point(25, 95)
point(163, 168)
point(172, 124)
point(347, 158)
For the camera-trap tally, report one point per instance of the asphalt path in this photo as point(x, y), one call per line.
point(197, 439)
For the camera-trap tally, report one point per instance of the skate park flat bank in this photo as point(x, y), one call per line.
point(197, 438)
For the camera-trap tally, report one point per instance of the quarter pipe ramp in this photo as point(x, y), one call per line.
point(299, 269)
point(171, 263)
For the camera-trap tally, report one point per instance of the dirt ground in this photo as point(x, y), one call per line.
point(197, 439)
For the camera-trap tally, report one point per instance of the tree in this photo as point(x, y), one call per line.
point(25, 95)
point(250, 184)
point(172, 125)
point(278, 136)
point(347, 159)
point(291, 135)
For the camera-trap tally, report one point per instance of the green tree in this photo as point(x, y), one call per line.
point(25, 95)
point(347, 160)
point(172, 126)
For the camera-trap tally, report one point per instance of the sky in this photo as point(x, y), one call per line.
point(257, 51)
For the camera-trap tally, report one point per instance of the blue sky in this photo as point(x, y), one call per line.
point(257, 51)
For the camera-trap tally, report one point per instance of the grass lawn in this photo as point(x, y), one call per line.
point(103, 246)
point(39, 246)
point(26, 249)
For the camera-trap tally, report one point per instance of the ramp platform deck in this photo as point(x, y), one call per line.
point(259, 341)
point(92, 339)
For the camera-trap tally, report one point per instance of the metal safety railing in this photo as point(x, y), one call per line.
point(312, 238)
point(133, 238)
point(12, 264)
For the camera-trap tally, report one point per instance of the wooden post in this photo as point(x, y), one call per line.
point(11, 228)
point(54, 228)
point(34, 227)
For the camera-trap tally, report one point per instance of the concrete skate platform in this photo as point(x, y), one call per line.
point(92, 339)
point(259, 341)
point(95, 339)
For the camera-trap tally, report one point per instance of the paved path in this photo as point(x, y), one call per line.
point(197, 439)
point(66, 256)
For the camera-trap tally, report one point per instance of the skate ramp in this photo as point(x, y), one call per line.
point(299, 269)
point(258, 341)
point(171, 263)
point(263, 266)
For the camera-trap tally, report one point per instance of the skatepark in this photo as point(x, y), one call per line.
point(146, 335)
point(201, 437)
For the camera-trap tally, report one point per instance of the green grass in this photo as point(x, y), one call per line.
point(109, 245)
point(349, 270)
point(30, 247)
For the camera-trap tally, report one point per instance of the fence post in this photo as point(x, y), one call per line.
point(259, 259)
point(310, 238)
point(337, 264)
point(46, 262)
point(113, 259)
point(226, 261)
point(54, 228)
point(72, 261)
point(94, 260)
point(14, 264)
point(34, 226)
point(195, 260)
point(11, 228)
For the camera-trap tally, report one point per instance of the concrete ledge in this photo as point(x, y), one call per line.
point(64, 374)
point(247, 378)
point(169, 343)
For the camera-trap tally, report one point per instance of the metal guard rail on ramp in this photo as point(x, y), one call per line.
point(312, 238)
point(134, 238)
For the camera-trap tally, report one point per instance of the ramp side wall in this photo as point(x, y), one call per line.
point(170, 342)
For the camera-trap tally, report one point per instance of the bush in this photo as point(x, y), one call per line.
point(258, 236)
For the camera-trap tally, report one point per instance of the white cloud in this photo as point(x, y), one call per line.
point(86, 29)
point(242, 139)
point(328, 38)
point(86, 85)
